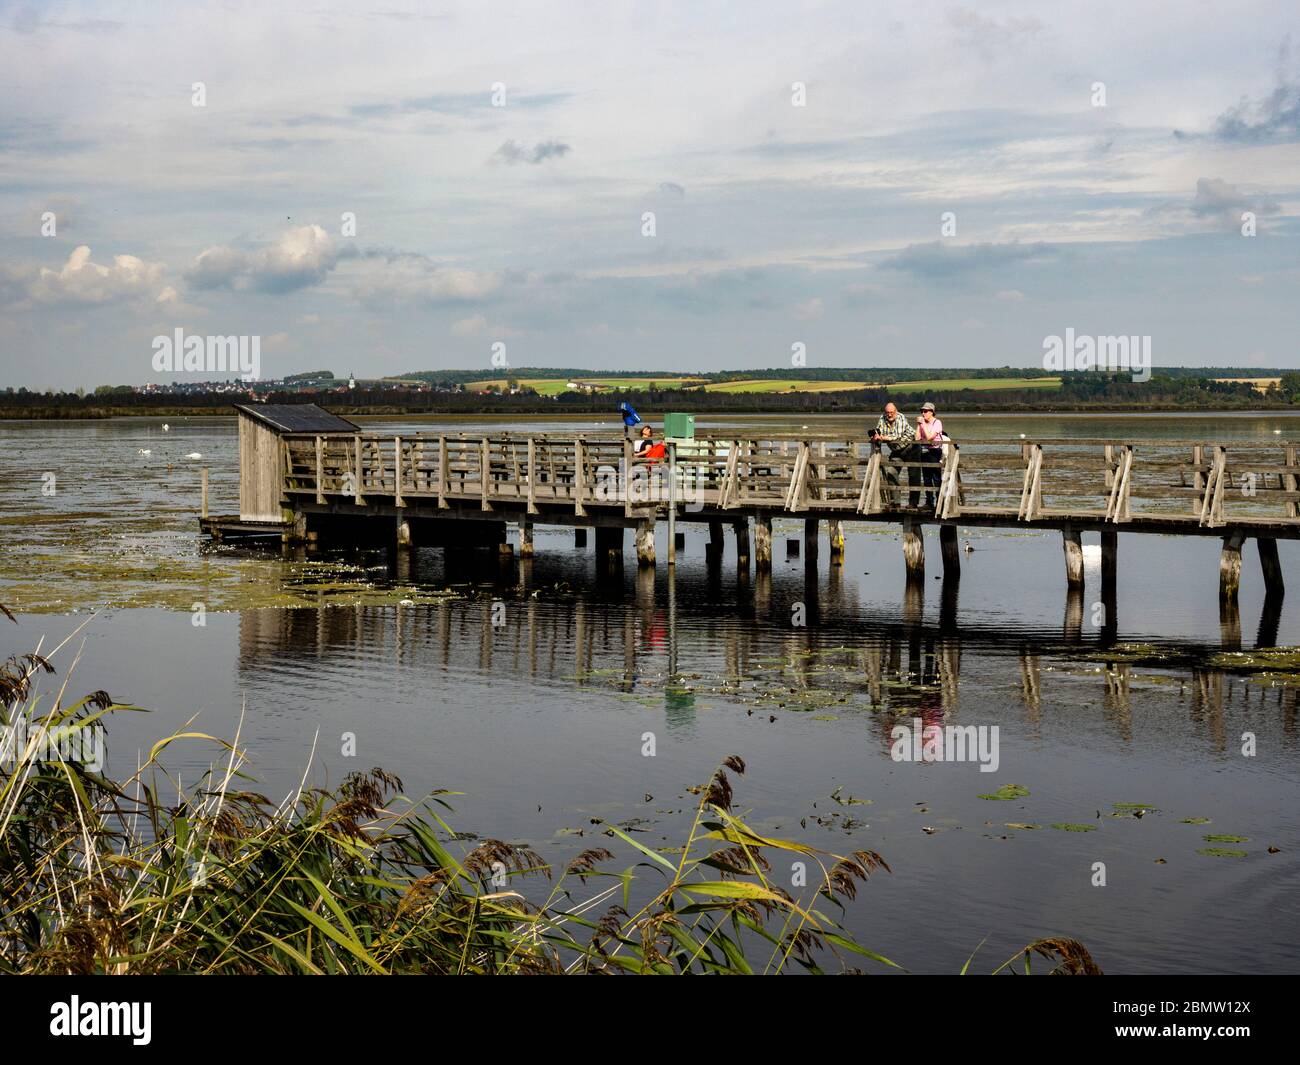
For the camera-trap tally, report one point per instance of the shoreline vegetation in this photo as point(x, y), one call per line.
point(102, 876)
point(580, 393)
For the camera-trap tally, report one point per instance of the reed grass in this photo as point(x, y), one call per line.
point(141, 876)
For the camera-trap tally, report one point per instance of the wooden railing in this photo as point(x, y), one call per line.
point(1208, 485)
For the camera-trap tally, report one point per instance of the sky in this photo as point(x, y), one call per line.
point(389, 187)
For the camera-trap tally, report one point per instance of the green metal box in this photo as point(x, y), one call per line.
point(679, 426)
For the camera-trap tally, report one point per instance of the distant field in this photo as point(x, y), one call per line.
point(785, 384)
point(554, 386)
point(1261, 384)
point(984, 384)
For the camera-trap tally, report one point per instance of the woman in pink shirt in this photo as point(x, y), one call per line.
point(929, 446)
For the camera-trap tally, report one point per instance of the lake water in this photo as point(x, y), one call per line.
point(541, 720)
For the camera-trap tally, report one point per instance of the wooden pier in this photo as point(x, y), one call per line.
point(307, 475)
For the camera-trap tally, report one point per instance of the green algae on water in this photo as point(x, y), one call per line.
point(1007, 792)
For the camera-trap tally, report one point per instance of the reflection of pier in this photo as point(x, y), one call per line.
point(640, 636)
point(313, 476)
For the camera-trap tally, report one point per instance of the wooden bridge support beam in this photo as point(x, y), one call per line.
point(762, 542)
point(835, 530)
point(645, 542)
point(403, 532)
point(717, 539)
point(1274, 583)
point(742, 545)
point(1230, 567)
point(810, 544)
point(526, 539)
point(951, 551)
point(1072, 542)
point(914, 548)
point(1109, 565)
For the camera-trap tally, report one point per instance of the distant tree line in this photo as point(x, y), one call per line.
point(1179, 390)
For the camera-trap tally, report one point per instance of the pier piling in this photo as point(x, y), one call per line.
point(835, 530)
point(1274, 583)
point(951, 550)
point(1072, 542)
point(1230, 566)
point(1109, 564)
point(645, 542)
point(913, 548)
point(742, 545)
point(762, 542)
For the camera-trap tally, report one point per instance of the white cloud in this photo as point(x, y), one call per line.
point(81, 282)
point(300, 257)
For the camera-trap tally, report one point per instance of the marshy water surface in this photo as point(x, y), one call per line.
point(1129, 742)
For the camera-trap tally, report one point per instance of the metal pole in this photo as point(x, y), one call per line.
point(672, 504)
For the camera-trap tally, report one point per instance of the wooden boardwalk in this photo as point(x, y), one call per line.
point(422, 482)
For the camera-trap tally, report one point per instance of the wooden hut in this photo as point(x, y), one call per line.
point(260, 454)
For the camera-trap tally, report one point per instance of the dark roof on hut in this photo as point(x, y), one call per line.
point(297, 418)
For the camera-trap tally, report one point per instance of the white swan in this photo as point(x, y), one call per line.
point(193, 455)
point(145, 451)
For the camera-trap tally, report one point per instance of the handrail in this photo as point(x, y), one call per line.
point(1208, 486)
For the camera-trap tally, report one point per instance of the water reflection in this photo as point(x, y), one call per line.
point(785, 641)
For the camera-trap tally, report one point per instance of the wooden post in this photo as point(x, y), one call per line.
point(358, 461)
point(762, 542)
point(485, 473)
point(320, 470)
point(951, 551)
point(1230, 566)
point(717, 538)
point(835, 529)
point(526, 538)
point(203, 502)
point(742, 545)
point(397, 467)
point(810, 544)
point(444, 479)
point(403, 532)
point(1289, 481)
point(645, 542)
point(1109, 565)
point(1274, 584)
point(580, 483)
point(532, 483)
point(913, 548)
point(1072, 542)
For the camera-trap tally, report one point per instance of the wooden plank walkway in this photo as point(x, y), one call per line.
point(1230, 489)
